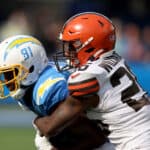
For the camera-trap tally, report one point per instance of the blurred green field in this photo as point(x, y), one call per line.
point(17, 139)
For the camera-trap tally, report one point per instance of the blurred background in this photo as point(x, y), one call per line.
point(44, 19)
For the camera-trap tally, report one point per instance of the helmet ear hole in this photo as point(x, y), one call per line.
point(31, 69)
point(90, 50)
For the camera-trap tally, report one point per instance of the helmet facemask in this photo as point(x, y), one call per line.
point(66, 58)
point(10, 78)
point(70, 53)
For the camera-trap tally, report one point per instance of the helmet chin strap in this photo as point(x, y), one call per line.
point(19, 94)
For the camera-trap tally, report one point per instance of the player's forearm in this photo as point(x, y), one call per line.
point(60, 118)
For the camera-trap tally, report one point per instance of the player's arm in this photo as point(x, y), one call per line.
point(65, 113)
point(83, 95)
point(89, 132)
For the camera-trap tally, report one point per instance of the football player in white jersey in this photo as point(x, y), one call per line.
point(123, 106)
point(28, 77)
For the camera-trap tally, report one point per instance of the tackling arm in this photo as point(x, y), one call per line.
point(82, 133)
point(64, 114)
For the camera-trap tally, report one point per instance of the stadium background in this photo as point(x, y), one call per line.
point(44, 19)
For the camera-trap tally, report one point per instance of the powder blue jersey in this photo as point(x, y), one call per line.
point(50, 89)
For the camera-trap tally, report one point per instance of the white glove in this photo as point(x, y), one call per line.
point(42, 143)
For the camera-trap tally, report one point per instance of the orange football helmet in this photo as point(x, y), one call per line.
point(87, 35)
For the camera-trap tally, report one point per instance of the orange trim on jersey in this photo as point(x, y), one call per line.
point(84, 87)
point(82, 84)
point(83, 93)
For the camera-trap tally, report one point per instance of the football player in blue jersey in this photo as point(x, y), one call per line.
point(27, 76)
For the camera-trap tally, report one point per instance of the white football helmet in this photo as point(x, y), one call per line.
point(22, 59)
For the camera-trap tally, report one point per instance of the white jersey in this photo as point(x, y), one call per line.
point(123, 105)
